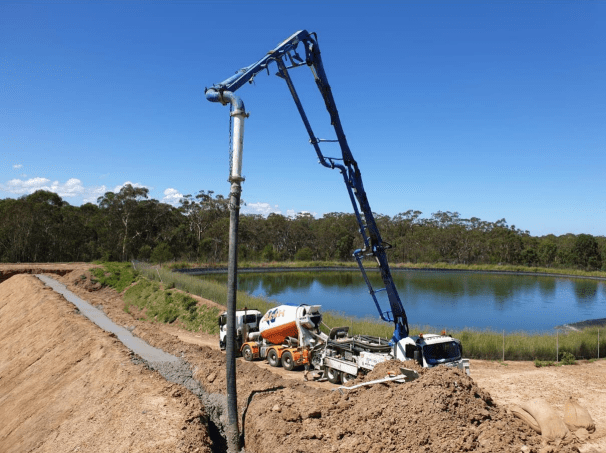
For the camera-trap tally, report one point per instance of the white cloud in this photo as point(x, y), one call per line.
point(172, 196)
point(265, 209)
point(70, 189)
point(261, 208)
point(134, 184)
point(17, 166)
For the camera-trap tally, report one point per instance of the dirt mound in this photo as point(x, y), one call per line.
point(442, 411)
point(66, 385)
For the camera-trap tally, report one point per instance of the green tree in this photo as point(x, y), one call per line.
point(586, 252)
point(121, 210)
point(547, 252)
point(161, 253)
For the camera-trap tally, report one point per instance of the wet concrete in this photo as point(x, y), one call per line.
point(135, 344)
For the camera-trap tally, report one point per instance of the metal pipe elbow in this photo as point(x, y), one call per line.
point(224, 97)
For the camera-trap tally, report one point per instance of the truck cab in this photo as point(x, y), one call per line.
point(246, 321)
point(430, 350)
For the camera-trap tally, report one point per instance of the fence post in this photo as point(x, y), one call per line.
point(557, 345)
point(503, 346)
point(598, 344)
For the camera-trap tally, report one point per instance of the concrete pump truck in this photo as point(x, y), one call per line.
point(291, 336)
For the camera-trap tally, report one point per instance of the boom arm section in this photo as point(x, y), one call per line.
point(286, 53)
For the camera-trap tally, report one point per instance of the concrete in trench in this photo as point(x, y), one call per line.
point(138, 346)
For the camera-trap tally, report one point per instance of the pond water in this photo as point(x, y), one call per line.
point(452, 300)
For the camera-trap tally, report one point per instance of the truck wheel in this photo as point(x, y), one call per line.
point(272, 358)
point(346, 377)
point(333, 375)
point(247, 353)
point(287, 361)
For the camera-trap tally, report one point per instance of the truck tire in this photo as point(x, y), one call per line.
point(287, 361)
point(247, 353)
point(272, 358)
point(346, 377)
point(333, 375)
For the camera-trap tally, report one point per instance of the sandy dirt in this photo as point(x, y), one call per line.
point(442, 411)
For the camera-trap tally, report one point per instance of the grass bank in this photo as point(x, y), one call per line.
point(155, 301)
point(164, 305)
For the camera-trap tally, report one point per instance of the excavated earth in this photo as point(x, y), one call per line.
point(66, 385)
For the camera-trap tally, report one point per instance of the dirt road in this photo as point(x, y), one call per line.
point(68, 385)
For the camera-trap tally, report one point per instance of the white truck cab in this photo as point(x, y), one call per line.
point(430, 350)
point(248, 318)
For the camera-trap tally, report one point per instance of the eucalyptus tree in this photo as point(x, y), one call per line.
point(121, 211)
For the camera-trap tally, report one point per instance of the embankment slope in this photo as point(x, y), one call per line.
point(66, 385)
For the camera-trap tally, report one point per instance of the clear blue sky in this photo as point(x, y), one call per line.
point(491, 109)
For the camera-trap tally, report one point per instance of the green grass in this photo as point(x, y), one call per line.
point(155, 303)
point(168, 306)
point(115, 275)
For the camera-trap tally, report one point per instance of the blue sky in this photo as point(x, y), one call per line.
point(491, 109)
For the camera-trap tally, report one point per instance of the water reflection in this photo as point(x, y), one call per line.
point(445, 299)
point(586, 291)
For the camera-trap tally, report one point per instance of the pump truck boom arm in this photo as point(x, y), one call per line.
point(286, 53)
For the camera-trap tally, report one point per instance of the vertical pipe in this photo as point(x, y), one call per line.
point(232, 431)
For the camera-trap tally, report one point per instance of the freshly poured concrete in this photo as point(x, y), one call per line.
point(138, 346)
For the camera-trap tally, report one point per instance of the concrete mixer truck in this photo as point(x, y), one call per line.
point(334, 352)
point(290, 336)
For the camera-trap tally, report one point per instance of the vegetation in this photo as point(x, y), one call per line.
point(116, 275)
point(157, 302)
point(127, 225)
point(167, 306)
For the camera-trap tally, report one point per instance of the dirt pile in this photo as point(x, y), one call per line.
point(66, 385)
point(442, 411)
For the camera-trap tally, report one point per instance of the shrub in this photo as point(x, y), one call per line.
point(567, 358)
point(304, 254)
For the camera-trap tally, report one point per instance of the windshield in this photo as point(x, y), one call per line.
point(441, 352)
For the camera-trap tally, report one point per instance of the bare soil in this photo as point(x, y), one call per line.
point(64, 384)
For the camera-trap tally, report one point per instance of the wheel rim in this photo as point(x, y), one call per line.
point(272, 357)
point(247, 353)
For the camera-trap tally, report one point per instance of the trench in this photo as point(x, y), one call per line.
point(170, 367)
point(5, 275)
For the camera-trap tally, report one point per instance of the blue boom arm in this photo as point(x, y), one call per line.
point(286, 57)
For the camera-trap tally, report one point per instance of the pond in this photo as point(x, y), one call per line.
point(442, 299)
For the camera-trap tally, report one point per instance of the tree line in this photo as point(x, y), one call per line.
point(128, 225)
